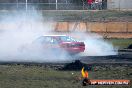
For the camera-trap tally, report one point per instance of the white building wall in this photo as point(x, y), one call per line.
point(119, 4)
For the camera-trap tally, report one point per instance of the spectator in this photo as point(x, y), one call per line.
point(104, 4)
point(100, 4)
point(96, 4)
point(89, 3)
point(93, 5)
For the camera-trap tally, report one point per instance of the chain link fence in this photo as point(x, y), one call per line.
point(49, 4)
point(68, 10)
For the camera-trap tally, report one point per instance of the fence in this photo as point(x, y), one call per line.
point(64, 4)
point(50, 4)
point(40, 6)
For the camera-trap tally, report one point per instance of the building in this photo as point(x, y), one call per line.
point(119, 4)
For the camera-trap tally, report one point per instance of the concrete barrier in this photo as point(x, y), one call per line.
point(129, 27)
point(94, 26)
point(107, 27)
point(97, 27)
point(116, 27)
point(78, 26)
point(62, 26)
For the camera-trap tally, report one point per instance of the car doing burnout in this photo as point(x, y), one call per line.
point(63, 42)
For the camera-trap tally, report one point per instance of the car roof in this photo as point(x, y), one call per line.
point(55, 35)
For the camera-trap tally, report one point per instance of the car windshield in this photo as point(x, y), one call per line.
point(68, 39)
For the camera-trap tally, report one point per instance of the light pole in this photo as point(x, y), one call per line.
point(56, 5)
point(26, 5)
point(119, 5)
point(17, 3)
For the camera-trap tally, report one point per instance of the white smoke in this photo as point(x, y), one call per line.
point(21, 29)
point(95, 45)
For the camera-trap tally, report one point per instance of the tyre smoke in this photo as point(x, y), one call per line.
point(95, 45)
point(19, 30)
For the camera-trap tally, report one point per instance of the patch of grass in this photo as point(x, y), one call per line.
point(19, 76)
point(120, 43)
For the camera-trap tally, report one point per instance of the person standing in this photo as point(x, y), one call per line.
point(89, 3)
point(104, 4)
point(96, 4)
point(100, 4)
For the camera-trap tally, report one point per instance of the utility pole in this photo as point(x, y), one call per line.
point(17, 3)
point(56, 5)
point(26, 5)
point(119, 5)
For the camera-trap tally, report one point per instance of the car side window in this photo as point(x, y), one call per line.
point(48, 39)
point(43, 40)
point(55, 41)
point(51, 40)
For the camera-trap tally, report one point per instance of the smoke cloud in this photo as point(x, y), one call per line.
point(20, 29)
point(95, 45)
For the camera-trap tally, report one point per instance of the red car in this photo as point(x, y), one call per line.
point(64, 42)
